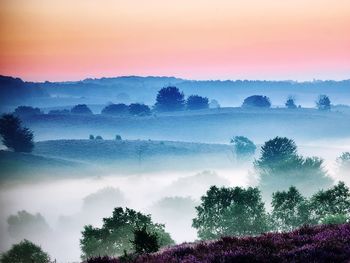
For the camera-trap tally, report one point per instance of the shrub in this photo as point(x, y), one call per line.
point(138, 109)
point(323, 103)
point(116, 109)
point(170, 99)
point(14, 136)
point(195, 102)
point(81, 109)
point(257, 101)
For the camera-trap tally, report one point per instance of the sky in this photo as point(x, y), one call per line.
point(199, 39)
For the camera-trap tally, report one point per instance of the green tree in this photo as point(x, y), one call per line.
point(25, 252)
point(230, 211)
point(117, 233)
point(14, 136)
point(243, 147)
point(144, 241)
point(290, 210)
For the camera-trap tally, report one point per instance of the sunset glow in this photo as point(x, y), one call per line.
point(250, 39)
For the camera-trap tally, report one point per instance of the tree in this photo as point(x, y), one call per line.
point(117, 233)
point(290, 210)
point(25, 252)
point(118, 137)
point(98, 137)
point(81, 109)
point(323, 102)
point(343, 162)
point(59, 112)
point(25, 111)
point(138, 109)
point(334, 201)
point(257, 101)
point(91, 137)
point(195, 102)
point(214, 104)
point(170, 99)
point(144, 241)
point(243, 147)
point(230, 211)
point(290, 103)
point(116, 109)
point(14, 136)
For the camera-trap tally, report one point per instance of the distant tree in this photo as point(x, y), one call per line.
point(98, 137)
point(170, 99)
point(144, 241)
point(116, 109)
point(59, 112)
point(334, 201)
point(118, 137)
point(81, 109)
point(138, 109)
point(195, 102)
point(335, 219)
point(257, 101)
point(290, 103)
point(214, 104)
point(91, 137)
point(14, 136)
point(290, 210)
point(25, 252)
point(243, 147)
point(343, 162)
point(25, 111)
point(117, 233)
point(323, 102)
point(230, 211)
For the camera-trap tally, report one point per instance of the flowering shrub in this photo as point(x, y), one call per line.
point(325, 243)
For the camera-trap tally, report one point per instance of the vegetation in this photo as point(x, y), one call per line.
point(118, 137)
point(323, 103)
point(144, 241)
point(170, 99)
point(14, 136)
point(138, 109)
point(81, 109)
point(117, 233)
point(257, 101)
point(116, 109)
point(243, 147)
point(25, 252)
point(290, 103)
point(24, 111)
point(195, 102)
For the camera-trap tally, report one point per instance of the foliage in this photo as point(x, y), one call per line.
point(343, 162)
point(257, 101)
point(138, 109)
point(335, 219)
point(118, 137)
point(24, 111)
point(195, 102)
point(98, 137)
point(91, 137)
point(323, 103)
point(327, 243)
point(25, 252)
point(116, 233)
point(116, 109)
point(230, 211)
point(81, 109)
point(290, 103)
point(214, 104)
point(14, 136)
point(290, 210)
point(170, 99)
point(243, 147)
point(144, 241)
point(59, 112)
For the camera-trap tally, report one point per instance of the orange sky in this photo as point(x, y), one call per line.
point(200, 39)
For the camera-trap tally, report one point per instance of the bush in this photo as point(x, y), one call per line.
point(138, 109)
point(25, 252)
point(257, 101)
point(323, 103)
point(14, 136)
point(116, 109)
point(170, 99)
point(24, 111)
point(195, 102)
point(81, 109)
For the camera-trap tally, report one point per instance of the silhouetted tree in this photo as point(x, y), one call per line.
point(25, 111)
point(343, 162)
point(290, 103)
point(118, 137)
point(144, 241)
point(25, 252)
point(14, 136)
point(257, 101)
point(114, 237)
point(230, 211)
point(81, 109)
point(243, 147)
point(170, 99)
point(116, 109)
point(59, 112)
point(195, 102)
point(91, 137)
point(214, 104)
point(98, 137)
point(138, 109)
point(323, 103)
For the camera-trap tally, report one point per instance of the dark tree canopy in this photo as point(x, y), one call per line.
point(243, 147)
point(59, 112)
point(170, 99)
point(230, 211)
point(14, 136)
point(323, 102)
point(144, 241)
point(117, 234)
point(81, 109)
point(25, 252)
point(138, 109)
point(290, 103)
point(24, 111)
point(116, 109)
point(257, 101)
point(195, 102)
